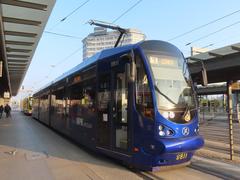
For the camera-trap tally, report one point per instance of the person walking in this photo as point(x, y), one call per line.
point(7, 110)
point(1, 111)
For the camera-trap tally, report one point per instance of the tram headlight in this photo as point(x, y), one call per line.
point(160, 127)
point(169, 132)
point(161, 133)
point(165, 131)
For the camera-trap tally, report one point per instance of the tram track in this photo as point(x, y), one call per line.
point(216, 174)
point(152, 176)
point(147, 175)
point(194, 166)
point(212, 172)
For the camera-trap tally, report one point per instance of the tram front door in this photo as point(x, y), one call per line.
point(113, 115)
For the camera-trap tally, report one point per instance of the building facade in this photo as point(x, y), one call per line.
point(103, 39)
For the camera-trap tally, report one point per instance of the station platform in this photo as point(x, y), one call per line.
point(31, 151)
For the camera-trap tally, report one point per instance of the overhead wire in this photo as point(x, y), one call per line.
point(74, 11)
point(214, 43)
point(71, 13)
point(57, 64)
point(223, 40)
point(67, 57)
point(209, 45)
point(124, 13)
point(128, 10)
point(204, 25)
point(210, 34)
point(63, 19)
point(65, 35)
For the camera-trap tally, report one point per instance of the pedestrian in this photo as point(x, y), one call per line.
point(7, 110)
point(1, 111)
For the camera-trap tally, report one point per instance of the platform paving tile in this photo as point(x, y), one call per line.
point(22, 166)
point(31, 151)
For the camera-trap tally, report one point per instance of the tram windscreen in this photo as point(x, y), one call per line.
point(173, 86)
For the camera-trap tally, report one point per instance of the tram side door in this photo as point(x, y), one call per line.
point(103, 135)
point(119, 108)
point(113, 122)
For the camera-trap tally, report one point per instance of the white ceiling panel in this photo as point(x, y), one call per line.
point(23, 23)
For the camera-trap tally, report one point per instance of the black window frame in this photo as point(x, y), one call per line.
point(139, 56)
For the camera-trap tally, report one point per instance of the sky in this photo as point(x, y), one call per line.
point(158, 19)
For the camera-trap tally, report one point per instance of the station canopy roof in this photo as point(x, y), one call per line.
point(224, 51)
point(222, 64)
point(21, 24)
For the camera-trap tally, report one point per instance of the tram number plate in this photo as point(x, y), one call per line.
point(181, 156)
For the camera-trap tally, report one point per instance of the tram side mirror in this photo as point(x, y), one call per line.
point(204, 76)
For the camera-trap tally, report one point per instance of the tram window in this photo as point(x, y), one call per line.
point(82, 100)
point(44, 102)
point(88, 95)
point(58, 103)
point(35, 103)
point(144, 101)
point(121, 97)
point(104, 96)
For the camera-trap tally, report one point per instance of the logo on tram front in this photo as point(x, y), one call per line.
point(185, 131)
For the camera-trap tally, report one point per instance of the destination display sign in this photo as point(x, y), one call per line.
point(159, 61)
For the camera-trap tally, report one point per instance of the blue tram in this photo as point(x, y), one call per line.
point(135, 103)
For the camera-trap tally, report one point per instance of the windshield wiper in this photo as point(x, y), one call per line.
point(165, 96)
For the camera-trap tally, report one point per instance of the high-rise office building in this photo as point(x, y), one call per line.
point(103, 39)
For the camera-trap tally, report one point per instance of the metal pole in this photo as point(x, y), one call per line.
point(230, 119)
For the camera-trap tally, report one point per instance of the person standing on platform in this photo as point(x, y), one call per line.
point(7, 110)
point(1, 111)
